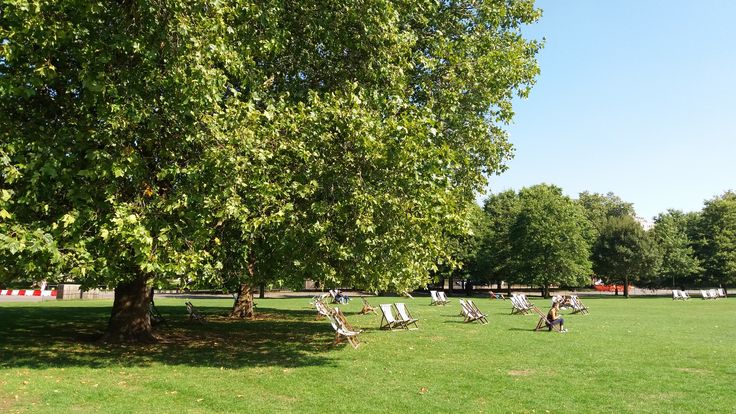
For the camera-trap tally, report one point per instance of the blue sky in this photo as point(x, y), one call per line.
point(636, 97)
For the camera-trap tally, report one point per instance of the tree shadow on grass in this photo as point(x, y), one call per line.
point(44, 337)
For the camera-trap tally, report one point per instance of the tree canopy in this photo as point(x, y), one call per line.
point(624, 253)
point(547, 240)
point(249, 140)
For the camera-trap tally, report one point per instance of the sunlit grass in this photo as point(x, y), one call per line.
point(636, 355)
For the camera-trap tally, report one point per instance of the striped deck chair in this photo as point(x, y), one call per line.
point(470, 314)
point(443, 298)
point(388, 316)
point(543, 322)
point(343, 329)
point(481, 317)
point(435, 298)
point(577, 305)
point(518, 306)
point(367, 308)
point(405, 316)
point(322, 309)
point(194, 313)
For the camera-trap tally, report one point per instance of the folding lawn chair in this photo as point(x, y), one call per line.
point(343, 329)
point(543, 322)
point(388, 316)
point(480, 316)
point(443, 298)
point(194, 313)
point(578, 306)
point(405, 316)
point(367, 308)
point(435, 298)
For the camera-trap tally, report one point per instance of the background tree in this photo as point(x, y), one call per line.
point(548, 243)
point(495, 259)
point(679, 266)
point(466, 250)
point(715, 240)
point(624, 253)
point(599, 207)
point(241, 141)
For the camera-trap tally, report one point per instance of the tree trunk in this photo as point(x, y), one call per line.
point(468, 288)
point(451, 284)
point(545, 291)
point(130, 320)
point(498, 286)
point(243, 306)
point(262, 291)
point(626, 287)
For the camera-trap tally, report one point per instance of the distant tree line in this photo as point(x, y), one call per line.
point(542, 238)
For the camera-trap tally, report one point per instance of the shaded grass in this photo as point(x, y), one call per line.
point(636, 355)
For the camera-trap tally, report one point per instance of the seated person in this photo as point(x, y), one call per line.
point(341, 297)
point(553, 318)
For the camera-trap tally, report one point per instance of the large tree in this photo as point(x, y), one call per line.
point(679, 267)
point(624, 253)
point(547, 240)
point(599, 207)
point(715, 240)
point(495, 260)
point(248, 141)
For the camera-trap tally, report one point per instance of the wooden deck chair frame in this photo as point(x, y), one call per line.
point(405, 316)
point(518, 307)
point(194, 313)
point(388, 316)
point(470, 314)
point(322, 309)
point(480, 316)
point(435, 298)
point(367, 308)
point(578, 306)
point(155, 316)
point(543, 322)
point(443, 297)
point(343, 329)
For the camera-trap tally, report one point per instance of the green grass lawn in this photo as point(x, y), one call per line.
point(636, 355)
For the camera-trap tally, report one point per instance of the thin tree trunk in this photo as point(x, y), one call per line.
point(498, 286)
point(130, 320)
point(626, 287)
point(262, 291)
point(451, 285)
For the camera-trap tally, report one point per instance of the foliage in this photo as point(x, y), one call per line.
point(715, 240)
point(547, 239)
point(624, 252)
point(265, 141)
point(679, 264)
point(496, 259)
point(466, 250)
point(599, 207)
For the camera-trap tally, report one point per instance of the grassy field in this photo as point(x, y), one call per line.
point(635, 355)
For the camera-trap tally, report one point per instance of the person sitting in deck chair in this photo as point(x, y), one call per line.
point(341, 297)
point(553, 317)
